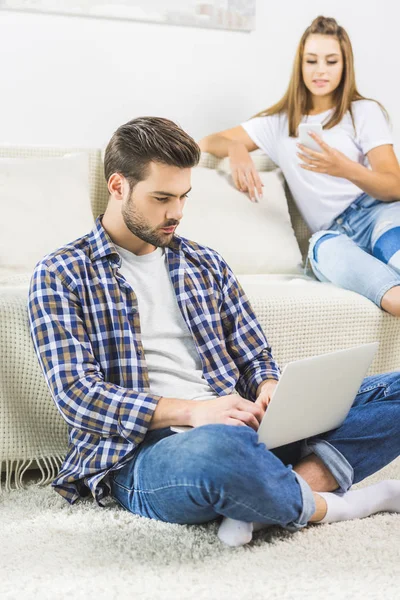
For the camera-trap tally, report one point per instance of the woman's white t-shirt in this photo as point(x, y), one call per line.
point(321, 197)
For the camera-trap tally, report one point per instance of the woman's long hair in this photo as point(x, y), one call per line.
point(297, 100)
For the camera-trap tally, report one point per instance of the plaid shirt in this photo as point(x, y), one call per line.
point(85, 328)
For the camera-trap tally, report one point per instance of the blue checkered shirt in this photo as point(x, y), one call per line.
point(86, 331)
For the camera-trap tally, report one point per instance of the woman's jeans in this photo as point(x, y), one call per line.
point(214, 470)
point(360, 251)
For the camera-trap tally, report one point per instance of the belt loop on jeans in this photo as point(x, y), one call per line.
point(358, 201)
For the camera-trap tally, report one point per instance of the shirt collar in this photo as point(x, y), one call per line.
point(101, 244)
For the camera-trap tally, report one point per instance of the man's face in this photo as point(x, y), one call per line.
point(155, 206)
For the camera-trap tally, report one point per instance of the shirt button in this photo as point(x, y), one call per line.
point(139, 352)
point(339, 221)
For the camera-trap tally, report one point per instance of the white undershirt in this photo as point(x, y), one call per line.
point(320, 197)
point(174, 365)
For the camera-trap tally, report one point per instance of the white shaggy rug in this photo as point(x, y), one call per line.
point(50, 550)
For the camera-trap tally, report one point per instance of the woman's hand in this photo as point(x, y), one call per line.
point(330, 161)
point(244, 173)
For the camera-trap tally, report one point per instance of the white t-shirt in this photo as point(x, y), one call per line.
point(320, 197)
point(174, 365)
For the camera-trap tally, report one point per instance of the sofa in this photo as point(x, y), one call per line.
point(300, 316)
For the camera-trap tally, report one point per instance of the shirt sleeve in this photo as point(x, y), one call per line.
point(244, 338)
point(372, 127)
point(263, 132)
point(75, 379)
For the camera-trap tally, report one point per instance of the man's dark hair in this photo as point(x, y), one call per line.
point(141, 141)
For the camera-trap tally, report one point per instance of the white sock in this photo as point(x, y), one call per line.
point(354, 504)
point(235, 533)
point(357, 504)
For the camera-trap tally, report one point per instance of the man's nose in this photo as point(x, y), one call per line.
point(175, 210)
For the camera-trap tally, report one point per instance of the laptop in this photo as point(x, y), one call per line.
point(313, 395)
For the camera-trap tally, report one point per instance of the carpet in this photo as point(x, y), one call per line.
point(49, 549)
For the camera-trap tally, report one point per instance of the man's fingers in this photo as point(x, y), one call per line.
point(235, 422)
point(248, 406)
point(245, 417)
point(263, 402)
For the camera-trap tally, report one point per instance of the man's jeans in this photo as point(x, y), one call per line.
point(214, 470)
point(360, 250)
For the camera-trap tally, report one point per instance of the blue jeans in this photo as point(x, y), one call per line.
point(214, 470)
point(360, 250)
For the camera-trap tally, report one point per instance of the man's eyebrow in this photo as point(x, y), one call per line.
point(169, 194)
point(313, 54)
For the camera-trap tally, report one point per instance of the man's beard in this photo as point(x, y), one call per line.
point(138, 225)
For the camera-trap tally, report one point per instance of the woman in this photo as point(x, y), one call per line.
point(351, 209)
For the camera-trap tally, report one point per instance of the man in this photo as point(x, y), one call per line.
point(137, 330)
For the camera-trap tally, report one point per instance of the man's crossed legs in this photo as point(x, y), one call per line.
point(215, 470)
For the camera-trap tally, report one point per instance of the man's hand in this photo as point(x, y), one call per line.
point(329, 161)
point(264, 393)
point(230, 410)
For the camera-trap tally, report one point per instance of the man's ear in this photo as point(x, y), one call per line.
point(116, 186)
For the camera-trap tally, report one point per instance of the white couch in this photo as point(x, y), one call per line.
point(300, 316)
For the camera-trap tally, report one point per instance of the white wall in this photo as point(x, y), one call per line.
point(73, 81)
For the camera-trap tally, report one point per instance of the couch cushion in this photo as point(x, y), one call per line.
point(46, 205)
point(303, 317)
point(253, 238)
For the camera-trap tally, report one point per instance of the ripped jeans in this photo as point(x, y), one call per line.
point(360, 251)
